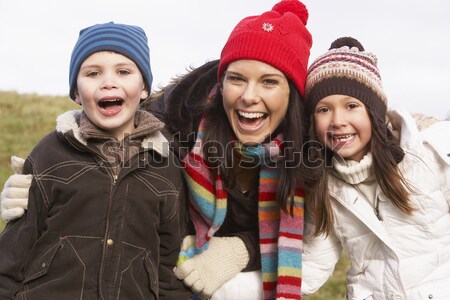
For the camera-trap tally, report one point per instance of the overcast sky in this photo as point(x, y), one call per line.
point(411, 39)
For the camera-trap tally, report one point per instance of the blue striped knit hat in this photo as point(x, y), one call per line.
point(127, 40)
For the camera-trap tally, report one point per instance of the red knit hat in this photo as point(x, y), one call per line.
point(277, 37)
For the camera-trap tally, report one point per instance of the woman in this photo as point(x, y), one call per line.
point(249, 115)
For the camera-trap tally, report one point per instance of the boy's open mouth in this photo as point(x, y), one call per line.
point(105, 104)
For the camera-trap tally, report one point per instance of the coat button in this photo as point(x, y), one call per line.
point(109, 242)
point(430, 296)
point(43, 265)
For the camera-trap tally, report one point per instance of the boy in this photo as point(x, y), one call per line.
point(106, 213)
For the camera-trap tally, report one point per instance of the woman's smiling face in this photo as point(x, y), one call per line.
point(255, 99)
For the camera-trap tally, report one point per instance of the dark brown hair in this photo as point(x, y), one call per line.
point(386, 170)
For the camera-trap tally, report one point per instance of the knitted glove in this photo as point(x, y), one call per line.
point(206, 272)
point(14, 197)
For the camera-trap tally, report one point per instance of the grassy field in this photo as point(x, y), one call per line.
point(25, 119)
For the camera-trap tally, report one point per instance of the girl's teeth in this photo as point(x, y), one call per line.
point(250, 115)
point(343, 138)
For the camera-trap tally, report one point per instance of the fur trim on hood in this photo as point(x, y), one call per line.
point(68, 122)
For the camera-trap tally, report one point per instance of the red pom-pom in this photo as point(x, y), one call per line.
point(294, 6)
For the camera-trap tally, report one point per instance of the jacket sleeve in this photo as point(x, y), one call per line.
point(173, 228)
point(16, 242)
point(320, 255)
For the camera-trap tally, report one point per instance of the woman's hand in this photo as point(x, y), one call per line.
point(204, 273)
point(14, 197)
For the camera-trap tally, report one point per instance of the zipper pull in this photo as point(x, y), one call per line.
point(377, 210)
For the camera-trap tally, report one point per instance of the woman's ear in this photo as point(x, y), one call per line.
point(221, 87)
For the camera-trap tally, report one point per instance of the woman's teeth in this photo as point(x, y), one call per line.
point(251, 119)
point(250, 115)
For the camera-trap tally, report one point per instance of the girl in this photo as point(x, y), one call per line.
point(382, 193)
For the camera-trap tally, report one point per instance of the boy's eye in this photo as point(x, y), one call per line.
point(352, 105)
point(93, 74)
point(123, 72)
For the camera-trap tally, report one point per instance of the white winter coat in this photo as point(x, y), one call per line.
point(398, 257)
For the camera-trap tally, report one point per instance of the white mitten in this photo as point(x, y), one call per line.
point(14, 197)
point(206, 272)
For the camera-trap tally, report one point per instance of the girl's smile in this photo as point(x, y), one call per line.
point(342, 123)
point(340, 140)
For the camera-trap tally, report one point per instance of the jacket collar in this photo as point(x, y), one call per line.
point(68, 123)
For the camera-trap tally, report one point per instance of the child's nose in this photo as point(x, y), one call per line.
point(339, 119)
point(109, 81)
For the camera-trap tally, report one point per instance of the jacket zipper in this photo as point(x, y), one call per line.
point(377, 210)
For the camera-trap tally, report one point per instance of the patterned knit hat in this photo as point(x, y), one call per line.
point(277, 37)
point(127, 40)
point(346, 69)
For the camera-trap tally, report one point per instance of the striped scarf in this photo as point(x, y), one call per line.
point(280, 234)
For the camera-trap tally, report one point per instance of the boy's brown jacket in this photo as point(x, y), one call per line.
point(89, 234)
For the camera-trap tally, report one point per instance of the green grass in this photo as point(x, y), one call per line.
point(26, 118)
point(334, 288)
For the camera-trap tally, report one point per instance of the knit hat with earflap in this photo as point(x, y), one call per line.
point(128, 40)
point(277, 37)
point(347, 69)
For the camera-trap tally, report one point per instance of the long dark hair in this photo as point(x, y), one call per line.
point(218, 132)
point(385, 167)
